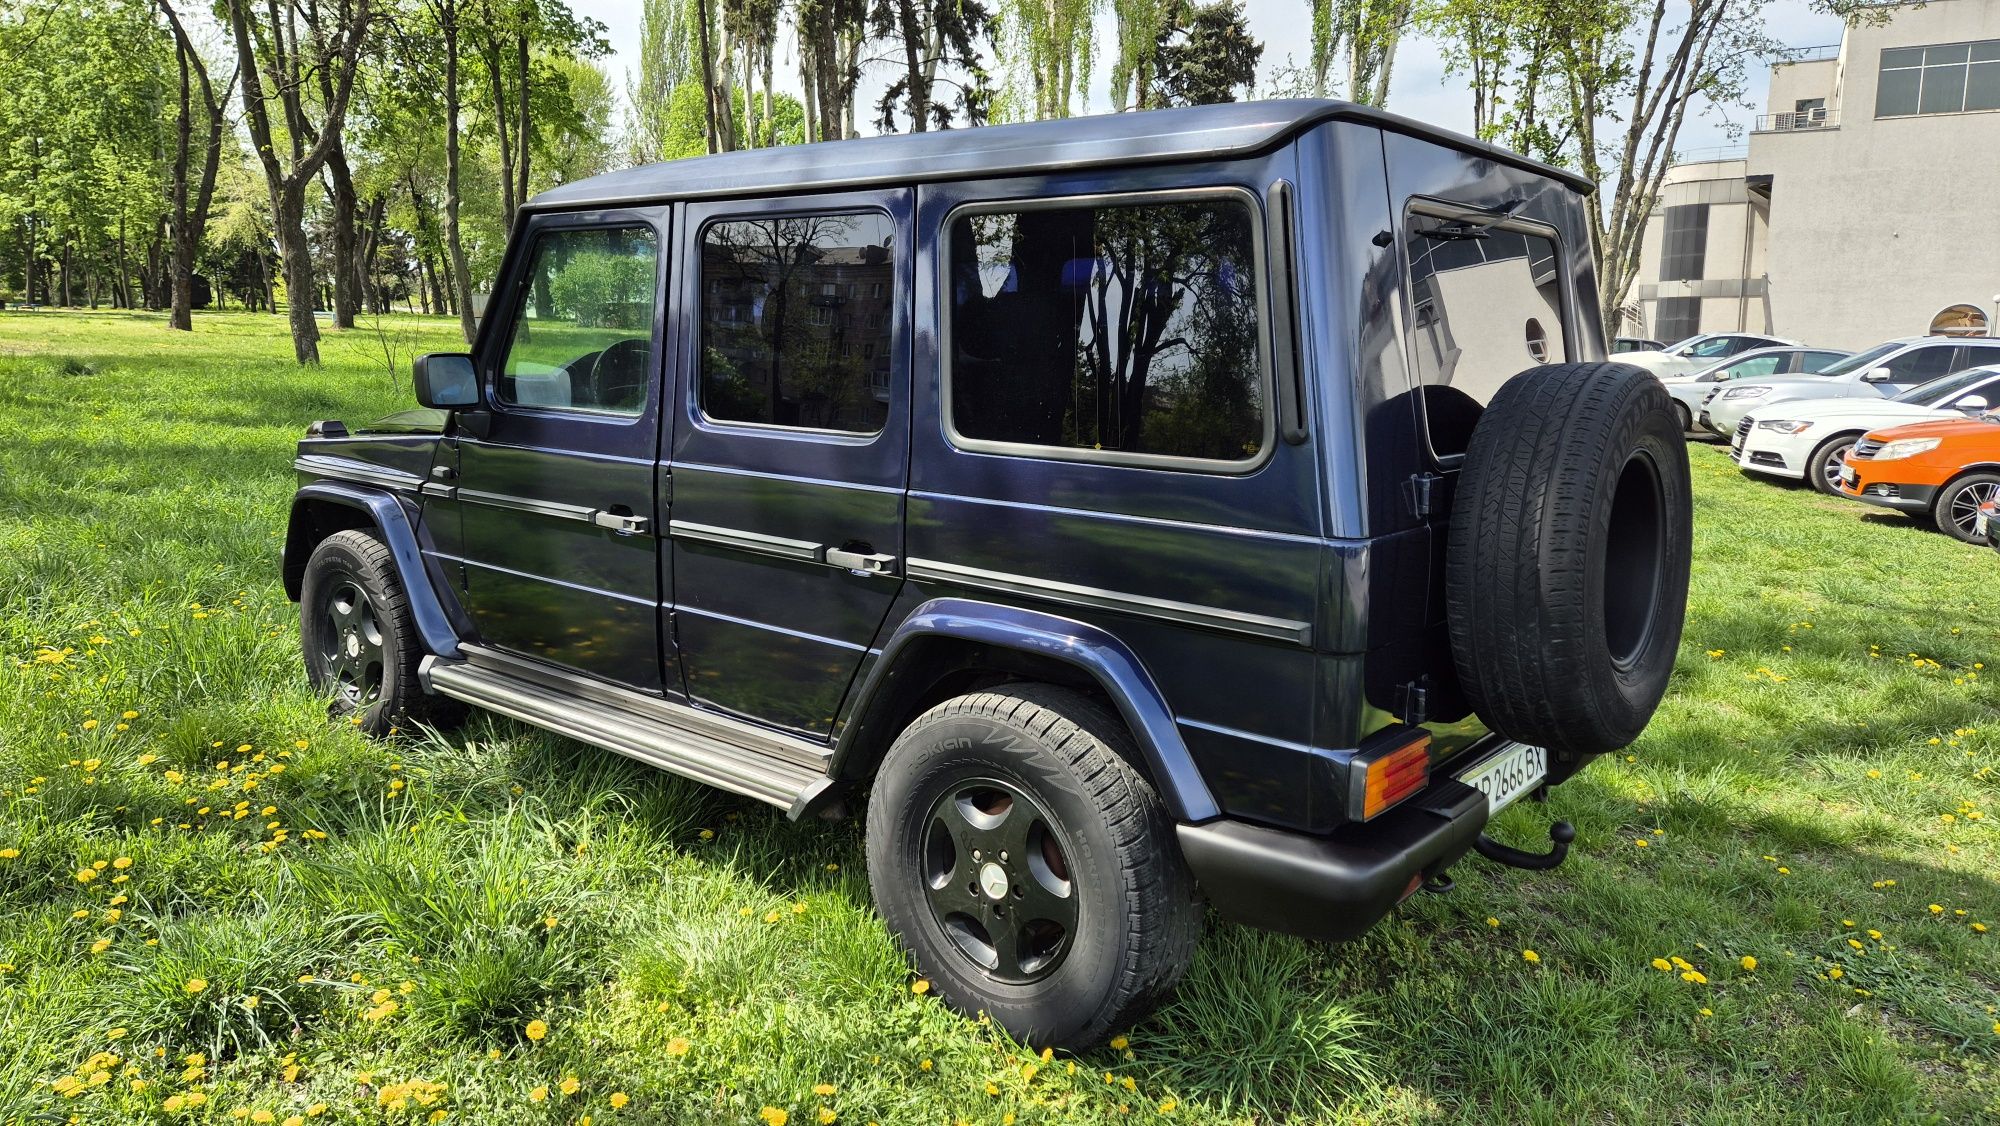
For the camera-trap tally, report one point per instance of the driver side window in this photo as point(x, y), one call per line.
point(582, 332)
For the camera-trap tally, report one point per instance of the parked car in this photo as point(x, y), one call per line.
point(1987, 525)
point(1690, 391)
point(1881, 372)
point(1810, 438)
point(1634, 344)
point(808, 472)
point(1943, 470)
point(1689, 356)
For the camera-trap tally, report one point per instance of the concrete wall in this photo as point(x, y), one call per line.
point(1731, 285)
point(1875, 225)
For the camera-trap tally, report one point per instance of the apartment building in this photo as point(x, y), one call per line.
point(1864, 207)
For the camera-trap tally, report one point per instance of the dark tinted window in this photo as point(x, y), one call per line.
point(1684, 243)
point(1484, 309)
point(1127, 328)
point(1816, 361)
point(583, 327)
point(1678, 317)
point(1920, 365)
point(1947, 78)
point(796, 319)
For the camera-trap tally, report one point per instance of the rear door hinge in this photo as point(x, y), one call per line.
point(1422, 490)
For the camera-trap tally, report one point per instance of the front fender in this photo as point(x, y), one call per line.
point(392, 523)
point(1102, 656)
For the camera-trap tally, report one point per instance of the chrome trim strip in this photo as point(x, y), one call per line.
point(579, 587)
point(347, 469)
point(1097, 598)
point(552, 508)
point(762, 475)
point(442, 492)
point(1304, 539)
point(747, 541)
point(834, 642)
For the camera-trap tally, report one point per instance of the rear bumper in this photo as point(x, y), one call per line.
point(1335, 887)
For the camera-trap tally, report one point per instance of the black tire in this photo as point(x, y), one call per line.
point(1958, 502)
point(1823, 464)
point(1095, 861)
point(359, 642)
point(1566, 571)
point(1686, 416)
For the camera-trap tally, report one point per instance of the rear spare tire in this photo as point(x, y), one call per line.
point(1566, 570)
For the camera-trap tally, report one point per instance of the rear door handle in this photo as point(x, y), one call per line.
point(623, 523)
point(873, 563)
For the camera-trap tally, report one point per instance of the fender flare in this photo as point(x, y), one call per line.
point(393, 524)
point(1088, 648)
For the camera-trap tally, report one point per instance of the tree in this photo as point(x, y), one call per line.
point(928, 34)
point(1140, 23)
point(1054, 41)
point(187, 219)
point(1366, 32)
point(283, 47)
point(831, 34)
point(1204, 54)
point(666, 63)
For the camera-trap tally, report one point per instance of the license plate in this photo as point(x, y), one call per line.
point(1507, 775)
point(1847, 475)
point(1736, 448)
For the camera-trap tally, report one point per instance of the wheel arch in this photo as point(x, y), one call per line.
point(949, 646)
point(322, 508)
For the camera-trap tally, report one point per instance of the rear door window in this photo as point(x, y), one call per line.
point(1486, 304)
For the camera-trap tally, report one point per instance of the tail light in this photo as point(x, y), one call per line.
point(1389, 776)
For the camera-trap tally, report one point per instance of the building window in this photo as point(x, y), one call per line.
point(1949, 78)
point(1678, 318)
point(1684, 245)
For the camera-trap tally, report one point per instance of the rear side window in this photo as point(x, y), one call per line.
point(1486, 304)
point(582, 336)
point(1126, 332)
point(796, 314)
point(1921, 365)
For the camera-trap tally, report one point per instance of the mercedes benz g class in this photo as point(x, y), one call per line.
point(1223, 505)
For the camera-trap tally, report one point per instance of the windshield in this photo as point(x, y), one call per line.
point(1938, 390)
point(1860, 360)
point(1680, 347)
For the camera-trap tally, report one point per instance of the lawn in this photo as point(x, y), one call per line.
point(217, 907)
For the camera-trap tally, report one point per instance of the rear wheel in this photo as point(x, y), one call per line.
point(1028, 867)
point(1686, 416)
point(1823, 465)
point(1956, 509)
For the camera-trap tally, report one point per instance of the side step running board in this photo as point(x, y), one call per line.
point(711, 749)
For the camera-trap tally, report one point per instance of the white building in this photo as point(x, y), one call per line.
point(1866, 205)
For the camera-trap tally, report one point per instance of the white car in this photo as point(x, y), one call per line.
point(1882, 372)
point(1689, 391)
point(1809, 438)
point(1689, 356)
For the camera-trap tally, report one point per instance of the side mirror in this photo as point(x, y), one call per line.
point(1877, 375)
point(445, 380)
point(1972, 403)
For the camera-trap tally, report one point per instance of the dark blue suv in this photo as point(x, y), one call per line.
point(1223, 504)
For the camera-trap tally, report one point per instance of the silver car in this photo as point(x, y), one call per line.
point(1884, 371)
point(1691, 391)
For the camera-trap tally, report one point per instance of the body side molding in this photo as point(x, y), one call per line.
point(1086, 647)
point(433, 626)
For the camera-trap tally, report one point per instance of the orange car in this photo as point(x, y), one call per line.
point(1944, 470)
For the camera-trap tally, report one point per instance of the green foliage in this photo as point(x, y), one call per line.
point(597, 288)
point(1204, 53)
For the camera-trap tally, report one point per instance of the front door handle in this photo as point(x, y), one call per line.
point(873, 563)
point(623, 523)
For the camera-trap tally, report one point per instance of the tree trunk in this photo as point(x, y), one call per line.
point(454, 241)
point(288, 210)
point(341, 202)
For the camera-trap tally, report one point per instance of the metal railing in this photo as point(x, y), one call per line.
point(1793, 122)
point(1815, 54)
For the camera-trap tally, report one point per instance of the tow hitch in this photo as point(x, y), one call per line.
point(1560, 835)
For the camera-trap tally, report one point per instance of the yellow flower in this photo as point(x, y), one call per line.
point(1979, 928)
point(90, 725)
point(772, 916)
point(85, 875)
point(774, 1116)
point(537, 1030)
point(920, 987)
point(100, 946)
point(1748, 962)
point(1531, 956)
point(618, 1100)
point(1641, 842)
point(924, 1065)
point(115, 1034)
point(1491, 921)
point(293, 1120)
point(1119, 1043)
point(263, 1116)
point(122, 863)
point(195, 984)
point(9, 853)
point(538, 1094)
point(1936, 910)
point(570, 1085)
point(678, 1046)
point(1784, 871)
point(1662, 965)
point(827, 1115)
point(823, 1089)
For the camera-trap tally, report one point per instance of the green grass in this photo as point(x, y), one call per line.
point(1808, 783)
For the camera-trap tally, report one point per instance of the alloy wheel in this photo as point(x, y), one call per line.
point(997, 880)
point(352, 652)
point(1965, 504)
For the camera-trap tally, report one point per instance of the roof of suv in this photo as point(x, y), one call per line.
point(1154, 136)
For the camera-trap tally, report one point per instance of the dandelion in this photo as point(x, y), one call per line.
point(772, 916)
point(1491, 921)
point(1748, 963)
point(195, 985)
point(539, 1094)
point(618, 1100)
point(1662, 965)
point(1694, 977)
point(774, 1116)
point(1641, 842)
point(827, 1116)
point(1784, 871)
point(537, 1029)
point(85, 875)
point(9, 853)
point(100, 946)
point(920, 987)
point(924, 1065)
point(122, 863)
point(1936, 910)
point(570, 1085)
point(1531, 957)
point(1979, 928)
point(823, 1089)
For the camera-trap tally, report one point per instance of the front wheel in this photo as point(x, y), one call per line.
point(359, 640)
point(1028, 866)
point(1956, 509)
point(1823, 466)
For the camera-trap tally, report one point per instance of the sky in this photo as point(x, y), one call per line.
point(1419, 87)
